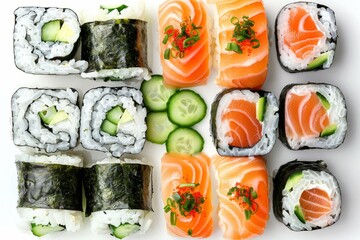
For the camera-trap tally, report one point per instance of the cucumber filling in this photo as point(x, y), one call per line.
point(329, 130)
point(261, 109)
point(323, 100)
point(299, 214)
point(114, 118)
point(319, 61)
point(41, 230)
point(51, 116)
point(124, 230)
point(57, 31)
point(293, 180)
point(111, 8)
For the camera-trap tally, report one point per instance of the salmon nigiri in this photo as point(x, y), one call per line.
point(243, 196)
point(242, 45)
point(186, 194)
point(184, 46)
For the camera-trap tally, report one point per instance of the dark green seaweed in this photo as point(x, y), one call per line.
point(50, 186)
point(118, 186)
point(282, 175)
point(114, 44)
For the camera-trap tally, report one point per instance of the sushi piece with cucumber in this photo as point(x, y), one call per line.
point(306, 196)
point(45, 120)
point(49, 193)
point(306, 36)
point(312, 116)
point(244, 122)
point(113, 120)
point(46, 41)
point(119, 197)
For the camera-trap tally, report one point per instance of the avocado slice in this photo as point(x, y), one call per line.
point(329, 130)
point(126, 117)
point(293, 180)
point(319, 61)
point(299, 213)
point(65, 34)
point(114, 114)
point(50, 30)
point(323, 100)
point(48, 114)
point(59, 116)
point(124, 230)
point(261, 109)
point(41, 230)
point(109, 127)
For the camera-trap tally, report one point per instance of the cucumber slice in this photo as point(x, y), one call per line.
point(65, 34)
point(323, 100)
point(329, 130)
point(319, 61)
point(186, 108)
point(185, 141)
point(156, 94)
point(126, 117)
point(50, 30)
point(109, 127)
point(293, 180)
point(111, 8)
point(299, 214)
point(59, 117)
point(114, 114)
point(41, 230)
point(124, 230)
point(158, 127)
point(261, 109)
point(48, 114)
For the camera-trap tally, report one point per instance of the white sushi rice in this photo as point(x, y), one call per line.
point(326, 24)
point(32, 55)
point(269, 125)
point(119, 74)
point(311, 179)
point(71, 219)
point(337, 114)
point(131, 135)
point(28, 129)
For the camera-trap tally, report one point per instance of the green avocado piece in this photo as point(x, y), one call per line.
point(59, 116)
point(41, 230)
point(114, 114)
point(261, 109)
point(299, 213)
point(319, 61)
point(124, 230)
point(323, 100)
point(126, 117)
point(329, 130)
point(50, 30)
point(293, 180)
point(48, 114)
point(109, 127)
point(65, 34)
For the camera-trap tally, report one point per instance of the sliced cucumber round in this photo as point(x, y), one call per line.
point(185, 141)
point(158, 127)
point(186, 108)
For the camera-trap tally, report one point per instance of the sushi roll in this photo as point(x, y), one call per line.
point(186, 194)
point(113, 120)
point(119, 197)
point(243, 196)
point(116, 47)
point(184, 43)
point(306, 196)
point(50, 193)
point(242, 43)
point(244, 122)
point(306, 36)
point(45, 120)
point(312, 116)
point(46, 40)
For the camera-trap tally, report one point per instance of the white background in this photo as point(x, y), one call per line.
point(344, 162)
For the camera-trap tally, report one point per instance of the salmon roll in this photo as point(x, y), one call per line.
point(312, 116)
point(306, 196)
point(242, 189)
point(306, 36)
point(242, 44)
point(185, 45)
point(244, 122)
point(186, 194)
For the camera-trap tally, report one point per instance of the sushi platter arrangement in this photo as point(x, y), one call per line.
point(173, 119)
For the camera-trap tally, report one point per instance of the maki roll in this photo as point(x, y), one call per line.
point(306, 36)
point(306, 196)
point(50, 193)
point(119, 197)
point(244, 122)
point(45, 119)
point(113, 120)
point(312, 116)
point(46, 40)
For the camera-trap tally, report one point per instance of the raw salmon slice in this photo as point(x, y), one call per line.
point(315, 203)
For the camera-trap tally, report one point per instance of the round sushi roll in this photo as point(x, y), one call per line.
point(306, 196)
point(50, 193)
point(244, 122)
point(306, 36)
point(312, 116)
point(119, 197)
point(46, 40)
point(45, 120)
point(113, 120)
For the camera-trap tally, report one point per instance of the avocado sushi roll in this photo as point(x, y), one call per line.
point(49, 193)
point(119, 197)
point(45, 120)
point(46, 40)
point(244, 122)
point(113, 120)
point(306, 196)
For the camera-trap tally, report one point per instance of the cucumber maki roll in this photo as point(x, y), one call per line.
point(45, 120)
point(119, 197)
point(46, 40)
point(244, 122)
point(50, 193)
point(312, 116)
point(113, 120)
point(306, 196)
